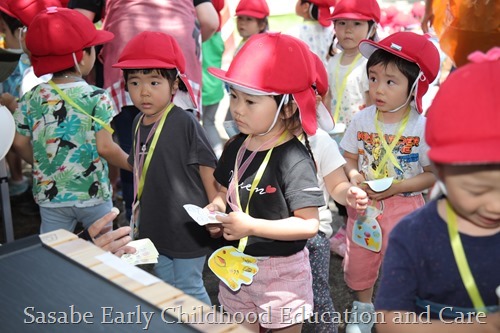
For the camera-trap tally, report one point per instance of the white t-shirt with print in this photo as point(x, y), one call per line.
point(356, 87)
point(361, 138)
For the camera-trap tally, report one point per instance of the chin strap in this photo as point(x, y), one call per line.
point(284, 100)
point(413, 88)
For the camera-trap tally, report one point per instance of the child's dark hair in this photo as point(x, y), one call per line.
point(11, 22)
point(313, 9)
point(293, 124)
point(409, 69)
point(73, 69)
point(169, 74)
point(331, 49)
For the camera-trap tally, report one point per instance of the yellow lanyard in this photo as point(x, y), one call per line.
point(258, 176)
point(151, 148)
point(340, 91)
point(461, 259)
point(78, 107)
point(389, 147)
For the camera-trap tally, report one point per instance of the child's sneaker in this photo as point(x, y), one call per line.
point(361, 319)
point(338, 243)
point(18, 187)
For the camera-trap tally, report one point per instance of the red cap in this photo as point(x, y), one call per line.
point(26, 10)
point(56, 34)
point(414, 48)
point(275, 64)
point(364, 10)
point(253, 8)
point(324, 11)
point(462, 122)
point(155, 50)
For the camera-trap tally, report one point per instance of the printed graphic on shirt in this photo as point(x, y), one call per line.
point(66, 165)
point(373, 153)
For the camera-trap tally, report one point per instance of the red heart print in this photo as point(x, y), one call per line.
point(270, 189)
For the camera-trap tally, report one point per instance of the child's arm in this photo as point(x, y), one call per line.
point(218, 204)
point(209, 183)
point(351, 169)
point(110, 151)
point(490, 324)
point(22, 146)
point(343, 192)
point(418, 183)
point(303, 225)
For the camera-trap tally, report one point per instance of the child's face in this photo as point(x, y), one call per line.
point(252, 114)
point(350, 33)
point(474, 193)
point(302, 9)
point(150, 93)
point(388, 87)
point(87, 62)
point(248, 26)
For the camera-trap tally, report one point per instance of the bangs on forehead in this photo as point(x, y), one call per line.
point(251, 91)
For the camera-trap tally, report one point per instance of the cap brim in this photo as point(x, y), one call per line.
point(7, 131)
point(101, 37)
point(367, 47)
point(251, 13)
point(143, 64)
point(454, 153)
point(238, 85)
point(3, 8)
point(350, 16)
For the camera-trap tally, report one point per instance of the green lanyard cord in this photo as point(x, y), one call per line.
point(461, 260)
point(79, 108)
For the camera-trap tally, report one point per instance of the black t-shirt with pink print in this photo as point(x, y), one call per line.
point(289, 183)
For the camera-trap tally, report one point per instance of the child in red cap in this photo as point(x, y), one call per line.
point(353, 21)
point(268, 183)
point(385, 144)
point(63, 125)
point(316, 30)
point(334, 183)
point(441, 266)
point(172, 158)
point(251, 19)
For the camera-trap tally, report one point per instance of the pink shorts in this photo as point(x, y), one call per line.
point(361, 266)
point(280, 295)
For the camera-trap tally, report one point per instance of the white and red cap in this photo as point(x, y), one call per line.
point(149, 50)
point(253, 8)
point(363, 10)
point(411, 47)
point(275, 64)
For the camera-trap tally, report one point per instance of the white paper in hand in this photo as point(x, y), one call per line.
point(202, 216)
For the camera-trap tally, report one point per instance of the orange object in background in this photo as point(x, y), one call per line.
point(465, 26)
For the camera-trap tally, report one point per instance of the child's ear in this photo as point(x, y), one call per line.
point(175, 86)
point(289, 110)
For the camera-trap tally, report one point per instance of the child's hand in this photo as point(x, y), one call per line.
point(215, 229)
point(236, 225)
point(357, 179)
point(391, 191)
point(357, 199)
point(9, 101)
